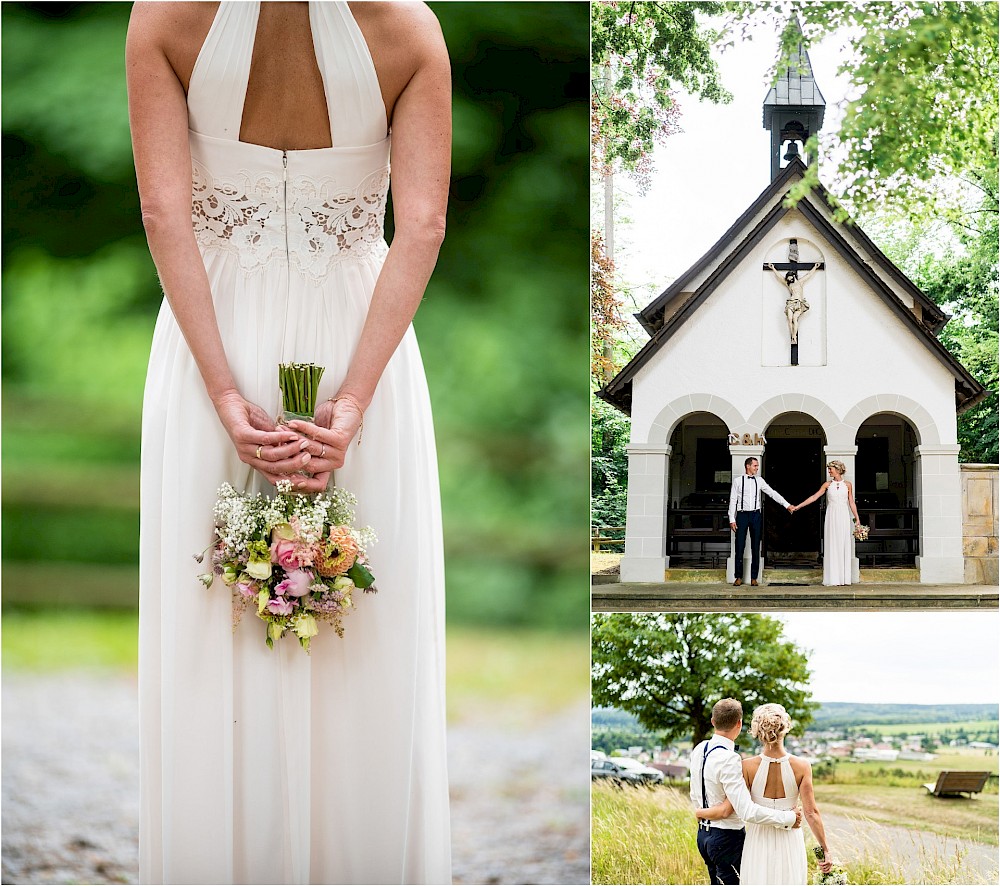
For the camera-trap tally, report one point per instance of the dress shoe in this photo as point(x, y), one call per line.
point(754, 582)
point(738, 582)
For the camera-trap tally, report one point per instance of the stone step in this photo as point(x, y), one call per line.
point(699, 597)
point(795, 577)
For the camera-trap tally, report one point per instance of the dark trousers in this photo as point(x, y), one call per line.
point(748, 521)
point(722, 851)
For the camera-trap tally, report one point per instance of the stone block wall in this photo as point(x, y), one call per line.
point(979, 523)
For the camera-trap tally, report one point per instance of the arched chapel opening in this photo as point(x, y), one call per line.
point(698, 496)
point(885, 488)
point(793, 465)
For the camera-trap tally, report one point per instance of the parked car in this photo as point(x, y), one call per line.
point(648, 773)
point(619, 775)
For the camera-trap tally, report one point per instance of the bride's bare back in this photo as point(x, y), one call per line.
point(285, 105)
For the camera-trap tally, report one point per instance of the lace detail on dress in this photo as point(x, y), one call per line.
point(323, 224)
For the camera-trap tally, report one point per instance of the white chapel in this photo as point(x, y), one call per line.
point(839, 359)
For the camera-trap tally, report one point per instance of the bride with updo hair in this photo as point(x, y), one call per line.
point(838, 529)
point(777, 780)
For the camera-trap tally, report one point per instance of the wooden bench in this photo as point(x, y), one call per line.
point(951, 781)
point(602, 539)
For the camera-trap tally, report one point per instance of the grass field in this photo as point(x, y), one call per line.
point(911, 773)
point(520, 673)
point(977, 726)
point(648, 836)
point(914, 807)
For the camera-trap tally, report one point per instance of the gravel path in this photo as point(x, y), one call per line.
point(520, 795)
point(851, 837)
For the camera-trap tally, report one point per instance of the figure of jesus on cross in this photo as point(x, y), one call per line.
point(796, 304)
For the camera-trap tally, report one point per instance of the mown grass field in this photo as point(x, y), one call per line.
point(648, 836)
point(915, 808)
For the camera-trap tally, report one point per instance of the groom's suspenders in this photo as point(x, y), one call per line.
point(705, 823)
point(743, 489)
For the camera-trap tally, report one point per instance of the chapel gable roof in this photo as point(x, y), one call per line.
point(678, 302)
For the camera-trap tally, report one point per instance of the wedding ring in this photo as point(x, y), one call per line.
point(322, 451)
point(258, 450)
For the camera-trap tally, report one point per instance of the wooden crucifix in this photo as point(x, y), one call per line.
point(796, 304)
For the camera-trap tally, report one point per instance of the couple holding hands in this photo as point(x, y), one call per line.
point(746, 499)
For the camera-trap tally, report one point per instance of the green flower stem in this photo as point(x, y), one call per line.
point(299, 384)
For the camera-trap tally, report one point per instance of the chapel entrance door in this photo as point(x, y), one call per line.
point(793, 467)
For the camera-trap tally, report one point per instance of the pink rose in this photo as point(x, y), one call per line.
point(286, 554)
point(296, 583)
point(247, 588)
point(278, 606)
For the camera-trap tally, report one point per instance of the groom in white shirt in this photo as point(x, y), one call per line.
point(746, 498)
point(717, 773)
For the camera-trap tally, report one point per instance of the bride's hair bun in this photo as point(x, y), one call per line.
point(770, 723)
point(839, 465)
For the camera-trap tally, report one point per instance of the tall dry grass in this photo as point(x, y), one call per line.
point(649, 836)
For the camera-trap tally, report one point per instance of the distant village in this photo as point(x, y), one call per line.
point(820, 746)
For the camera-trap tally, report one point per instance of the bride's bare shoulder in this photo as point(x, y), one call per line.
point(178, 30)
point(409, 30)
point(799, 766)
point(750, 767)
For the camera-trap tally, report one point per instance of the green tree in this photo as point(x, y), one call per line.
point(640, 54)
point(923, 81)
point(609, 433)
point(670, 669)
point(960, 275)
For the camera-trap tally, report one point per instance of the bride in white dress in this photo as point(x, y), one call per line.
point(260, 134)
point(777, 780)
point(838, 531)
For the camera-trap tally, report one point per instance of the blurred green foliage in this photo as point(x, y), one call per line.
point(502, 329)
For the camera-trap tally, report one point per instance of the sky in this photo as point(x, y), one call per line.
point(707, 175)
point(941, 657)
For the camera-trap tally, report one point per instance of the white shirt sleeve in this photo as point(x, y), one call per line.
point(777, 496)
point(731, 778)
point(734, 493)
point(695, 782)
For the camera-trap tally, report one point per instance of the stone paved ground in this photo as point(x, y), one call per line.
point(520, 792)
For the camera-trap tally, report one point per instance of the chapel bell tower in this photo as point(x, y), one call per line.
point(794, 107)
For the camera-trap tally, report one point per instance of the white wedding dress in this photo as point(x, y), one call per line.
point(261, 766)
point(773, 855)
point(838, 553)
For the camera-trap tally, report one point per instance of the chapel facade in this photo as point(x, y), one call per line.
point(839, 359)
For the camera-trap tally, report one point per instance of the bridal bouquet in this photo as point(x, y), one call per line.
point(295, 559)
point(836, 877)
point(861, 532)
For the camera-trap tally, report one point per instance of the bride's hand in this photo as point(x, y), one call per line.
point(274, 453)
point(826, 865)
point(327, 439)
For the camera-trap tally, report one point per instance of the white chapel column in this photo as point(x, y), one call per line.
point(848, 455)
point(646, 513)
point(739, 455)
point(939, 499)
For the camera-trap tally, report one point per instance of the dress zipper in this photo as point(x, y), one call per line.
point(284, 185)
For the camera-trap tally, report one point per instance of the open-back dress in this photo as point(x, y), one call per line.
point(273, 766)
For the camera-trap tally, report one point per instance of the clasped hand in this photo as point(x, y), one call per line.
point(284, 452)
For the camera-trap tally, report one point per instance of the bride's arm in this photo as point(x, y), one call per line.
point(421, 172)
point(813, 497)
point(811, 811)
point(158, 121)
point(852, 503)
